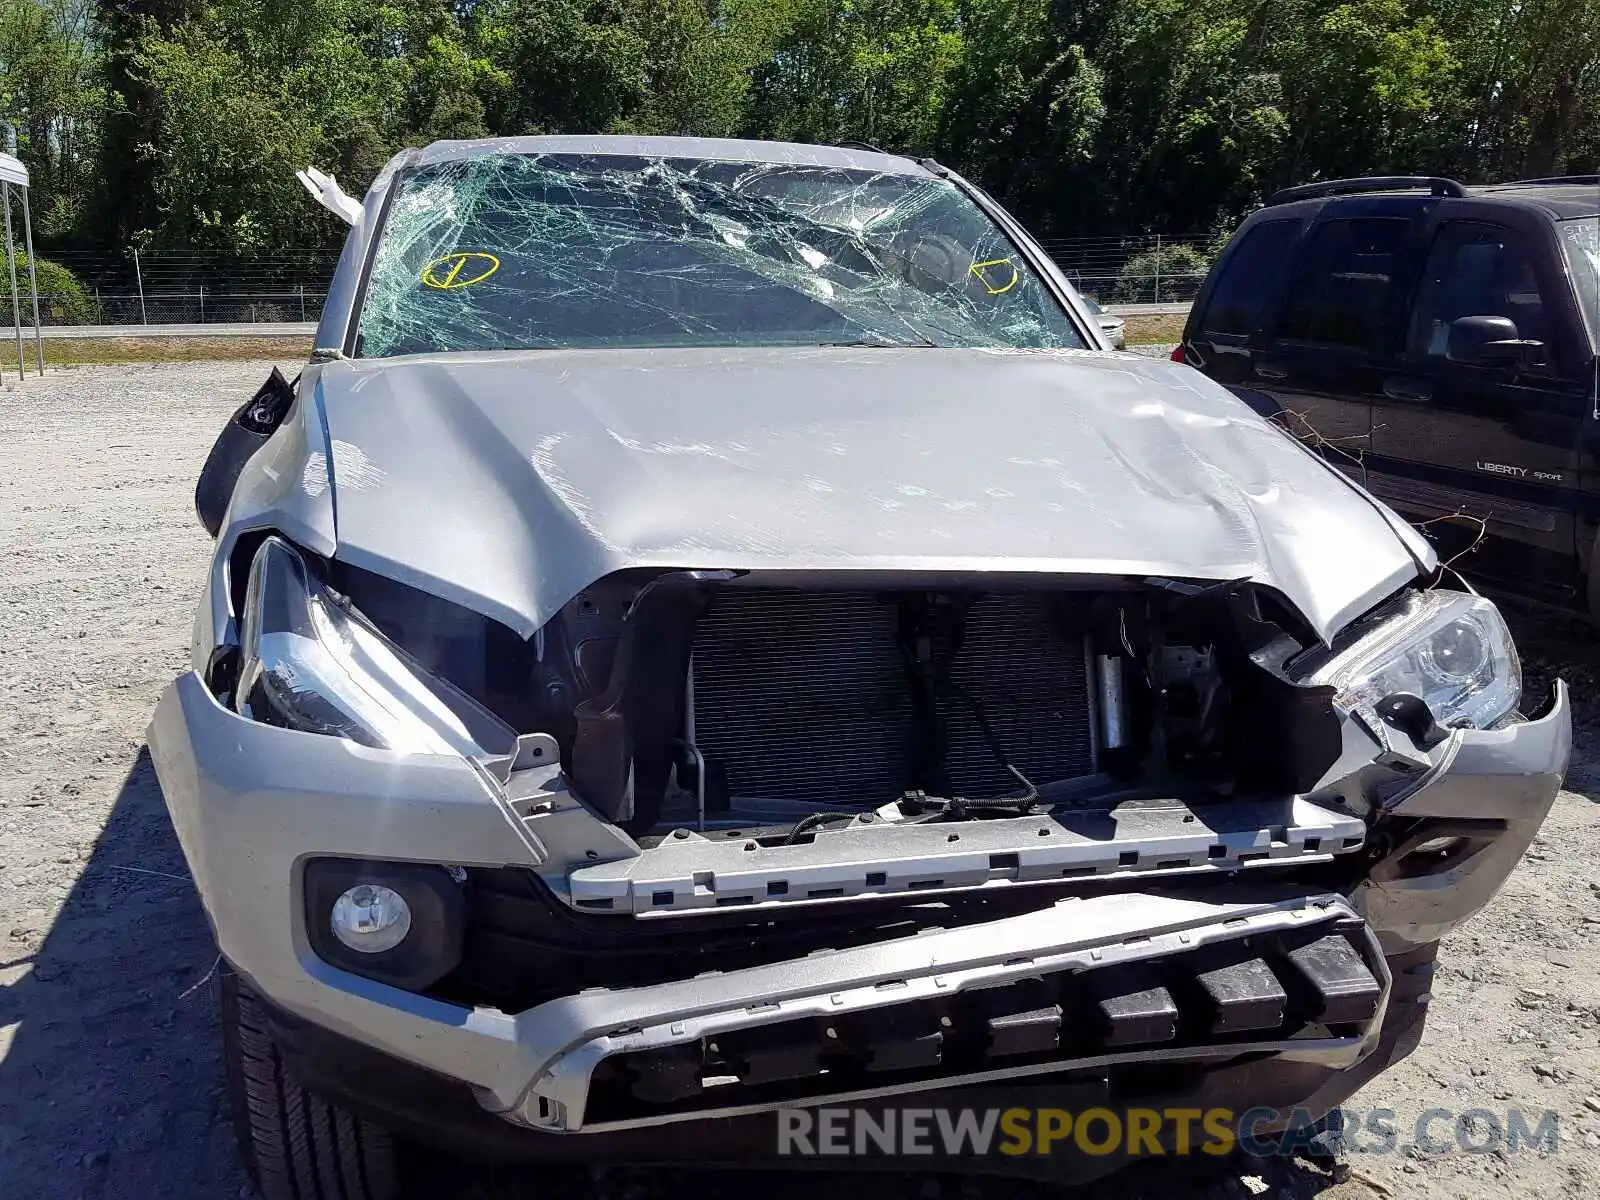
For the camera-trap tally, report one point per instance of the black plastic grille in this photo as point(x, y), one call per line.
point(523, 946)
point(1318, 983)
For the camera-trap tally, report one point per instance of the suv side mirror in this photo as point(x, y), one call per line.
point(1486, 341)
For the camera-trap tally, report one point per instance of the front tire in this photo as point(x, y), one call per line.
point(296, 1146)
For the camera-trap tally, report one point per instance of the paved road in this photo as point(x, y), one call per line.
point(258, 329)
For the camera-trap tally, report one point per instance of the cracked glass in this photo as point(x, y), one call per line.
point(534, 251)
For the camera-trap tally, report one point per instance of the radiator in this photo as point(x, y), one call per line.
point(803, 696)
point(1030, 678)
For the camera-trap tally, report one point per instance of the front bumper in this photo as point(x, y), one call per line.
point(447, 1115)
point(251, 803)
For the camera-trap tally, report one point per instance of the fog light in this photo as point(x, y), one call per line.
point(370, 918)
point(399, 923)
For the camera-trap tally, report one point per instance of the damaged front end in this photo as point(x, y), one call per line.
point(704, 637)
point(772, 740)
point(783, 837)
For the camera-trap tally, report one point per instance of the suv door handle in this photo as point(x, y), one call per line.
point(1407, 392)
point(1268, 371)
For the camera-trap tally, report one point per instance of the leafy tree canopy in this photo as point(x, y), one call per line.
point(179, 123)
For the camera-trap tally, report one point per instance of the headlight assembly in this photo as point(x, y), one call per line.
point(310, 662)
point(1450, 649)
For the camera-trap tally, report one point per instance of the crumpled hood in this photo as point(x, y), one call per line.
point(508, 482)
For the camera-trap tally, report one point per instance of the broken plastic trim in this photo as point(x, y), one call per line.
point(326, 192)
point(1077, 935)
point(311, 663)
point(871, 857)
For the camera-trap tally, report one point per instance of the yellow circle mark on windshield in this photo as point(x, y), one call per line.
point(995, 269)
point(459, 270)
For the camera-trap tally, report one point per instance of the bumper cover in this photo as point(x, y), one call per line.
point(250, 803)
point(447, 1115)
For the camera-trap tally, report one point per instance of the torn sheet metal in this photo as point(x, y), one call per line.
point(509, 482)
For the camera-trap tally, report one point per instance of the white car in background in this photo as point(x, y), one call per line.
point(1113, 326)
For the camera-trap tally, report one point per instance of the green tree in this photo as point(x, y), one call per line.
point(180, 122)
point(1372, 86)
point(1023, 110)
point(62, 299)
point(1531, 84)
point(1179, 267)
point(573, 67)
point(49, 90)
point(867, 70)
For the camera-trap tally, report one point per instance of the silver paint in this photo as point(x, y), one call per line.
point(508, 482)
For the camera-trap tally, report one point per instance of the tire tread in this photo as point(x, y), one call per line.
point(296, 1145)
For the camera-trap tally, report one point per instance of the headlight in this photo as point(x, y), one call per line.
point(310, 662)
point(1450, 649)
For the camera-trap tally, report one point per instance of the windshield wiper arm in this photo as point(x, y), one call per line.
point(887, 344)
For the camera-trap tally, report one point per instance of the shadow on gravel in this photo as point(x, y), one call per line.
point(111, 1084)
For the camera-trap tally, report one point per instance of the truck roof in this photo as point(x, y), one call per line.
point(722, 149)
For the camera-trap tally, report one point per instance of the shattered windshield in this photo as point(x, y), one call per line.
point(531, 251)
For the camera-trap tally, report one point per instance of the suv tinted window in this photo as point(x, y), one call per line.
point(1475, 270)
point(1582, 241)
point(1347, 278)
point(1242, 292)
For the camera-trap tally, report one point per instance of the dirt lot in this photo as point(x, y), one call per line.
point(109, 1079)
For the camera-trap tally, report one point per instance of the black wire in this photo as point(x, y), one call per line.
point(814, 820)
point(955, 806)
point(925, 734)
point(925, 694)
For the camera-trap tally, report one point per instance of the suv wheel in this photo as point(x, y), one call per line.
point(296, 1146)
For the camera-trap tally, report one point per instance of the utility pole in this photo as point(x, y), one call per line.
point(138, 275)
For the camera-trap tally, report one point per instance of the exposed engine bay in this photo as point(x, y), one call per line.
point(713, 699)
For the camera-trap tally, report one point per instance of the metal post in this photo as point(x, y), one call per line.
point(302, 290)
point(1158, 268)
point(202, 304)
point(33, 282)
point(138, 275)
point(11, 261)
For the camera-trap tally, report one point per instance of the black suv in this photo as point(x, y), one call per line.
point(1441, 343)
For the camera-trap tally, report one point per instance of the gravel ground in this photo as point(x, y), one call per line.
point(109, 1077)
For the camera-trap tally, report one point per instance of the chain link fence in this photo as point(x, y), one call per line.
point(199, 307)
point(186, 287)
point(1150, 268)
point(196, 287)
